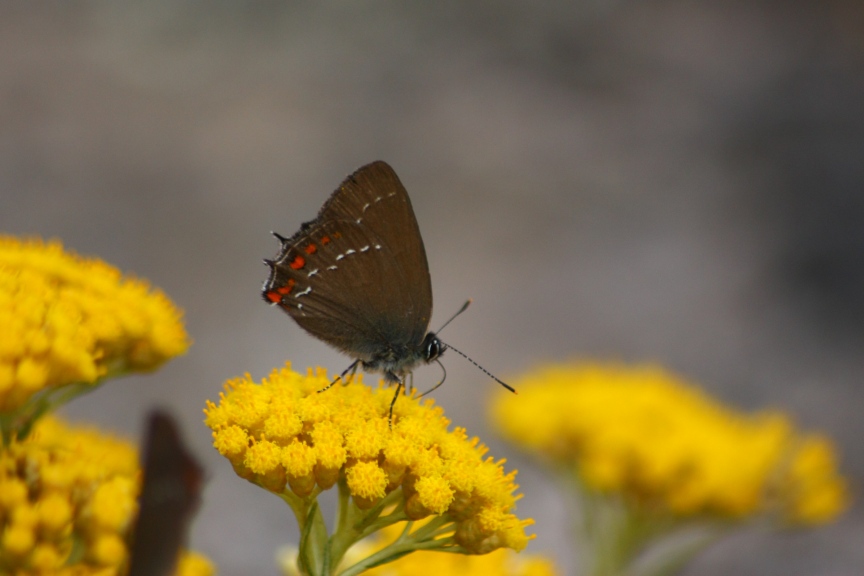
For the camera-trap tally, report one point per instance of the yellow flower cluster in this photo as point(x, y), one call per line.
point(288, 438)
point(642, 432)
point(67, 501)
point(68, 319)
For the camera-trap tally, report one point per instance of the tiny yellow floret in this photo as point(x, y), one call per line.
point(108, 550)
point(17, 540)
point(366, 480)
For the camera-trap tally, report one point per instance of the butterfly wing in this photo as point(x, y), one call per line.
point(357, 277)
point(170, 494)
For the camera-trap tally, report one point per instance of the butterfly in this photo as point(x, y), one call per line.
point(169, 497)
point(357, 278)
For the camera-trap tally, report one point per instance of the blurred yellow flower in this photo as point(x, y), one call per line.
point(69, 320)
point(286, 437)
point(194, 564)
point(811, 489)
point(657, 440)
point(67, 502)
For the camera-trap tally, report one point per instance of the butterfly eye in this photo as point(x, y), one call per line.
point(432, 347)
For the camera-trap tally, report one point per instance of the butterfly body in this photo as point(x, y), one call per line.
point(357, 278)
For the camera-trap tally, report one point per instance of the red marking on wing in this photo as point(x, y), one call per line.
point(298, 262)
point(285, 290)
point(325, 240)
point(311, 249)
point(274, 296)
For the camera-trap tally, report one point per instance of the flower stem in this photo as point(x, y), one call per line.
point(313, 553)
point(314, 556)
point(403, 545)
point(353, 524)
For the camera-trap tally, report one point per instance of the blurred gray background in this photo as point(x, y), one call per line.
point(679, 182)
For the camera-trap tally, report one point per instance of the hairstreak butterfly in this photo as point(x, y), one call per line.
point(169, 498)
point(356, 277)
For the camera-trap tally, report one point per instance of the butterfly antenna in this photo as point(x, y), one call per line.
point(505, 385)
point(444, 377)
point(462, 309)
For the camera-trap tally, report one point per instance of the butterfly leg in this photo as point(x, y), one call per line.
point(400, 383)
point(444, 377)
point(352, 368)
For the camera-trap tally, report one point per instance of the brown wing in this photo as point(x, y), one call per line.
point(170, 495)
point(356, 276)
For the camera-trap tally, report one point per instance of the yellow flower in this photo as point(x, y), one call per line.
point(67, 502)
point(69, 320)
point(657, 440)
point(286, 437)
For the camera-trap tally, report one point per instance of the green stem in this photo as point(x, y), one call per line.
point(353, 524)
point(321, 555)
point(298, 506)
point(345, 533)
point(313, 550)
point(675, 561)
point(399, 548)
point(313, 557)
point(17, 425)
point(615, 533)
point(619, 531)
point(432, 528)
point(370, 521)
point(6, 429)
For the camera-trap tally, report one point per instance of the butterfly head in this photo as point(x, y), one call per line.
point(432, 347)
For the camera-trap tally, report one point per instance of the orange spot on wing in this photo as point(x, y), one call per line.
point(285, 290)
point(325, 240)
point(311, 249)
point(274, 296)
point(297, 263)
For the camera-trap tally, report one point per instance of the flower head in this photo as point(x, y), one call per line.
point(73, 320)
point(643, 433)
point(67, 502)
point(285, 436)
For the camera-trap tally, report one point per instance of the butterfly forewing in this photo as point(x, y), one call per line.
point(351, 276)
point(376, 196)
